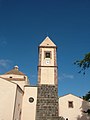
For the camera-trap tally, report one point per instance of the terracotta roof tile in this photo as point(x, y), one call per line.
point(15, 71)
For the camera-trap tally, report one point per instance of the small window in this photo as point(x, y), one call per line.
point(47, 55)
point(31, 99)
point(66, 118)
point(70, 104)
point(10, 77)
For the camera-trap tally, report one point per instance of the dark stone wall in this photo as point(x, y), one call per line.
point(47, 103)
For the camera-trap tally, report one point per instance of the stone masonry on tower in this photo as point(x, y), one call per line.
point(19, 100)
point(47, 93)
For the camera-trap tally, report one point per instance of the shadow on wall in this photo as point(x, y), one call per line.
point(84, 108)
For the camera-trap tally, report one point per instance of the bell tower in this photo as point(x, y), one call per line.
point(47, 68)
point(47, 94)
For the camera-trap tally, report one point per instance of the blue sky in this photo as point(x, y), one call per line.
point(24, 24)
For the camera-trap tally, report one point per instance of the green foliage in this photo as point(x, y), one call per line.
point(87, 97)
point(84, 63)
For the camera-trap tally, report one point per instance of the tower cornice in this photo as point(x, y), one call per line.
point(47, 47)
point(47, 66)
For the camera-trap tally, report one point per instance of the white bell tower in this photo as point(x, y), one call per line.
point(47, 68)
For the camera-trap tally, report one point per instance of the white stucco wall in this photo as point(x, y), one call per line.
point(47, 75)
point(47, 71)
point(18, 104)
point(12, 75)
point(20, 83)
point(74, 113)
point(7, 99)
point(29, 109)
point(21, 80)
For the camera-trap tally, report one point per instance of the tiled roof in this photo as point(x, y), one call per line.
point(15, 71)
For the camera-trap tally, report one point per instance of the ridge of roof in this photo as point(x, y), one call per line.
point(70, 94)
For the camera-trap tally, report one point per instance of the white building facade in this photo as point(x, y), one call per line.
point(72, 107)
point(21, 101)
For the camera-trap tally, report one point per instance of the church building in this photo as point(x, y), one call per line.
point(21, 101)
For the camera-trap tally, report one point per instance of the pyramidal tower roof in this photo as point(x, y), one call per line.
point(47, 43)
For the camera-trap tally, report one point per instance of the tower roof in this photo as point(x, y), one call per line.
point(15, 71)
point(47, 43)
